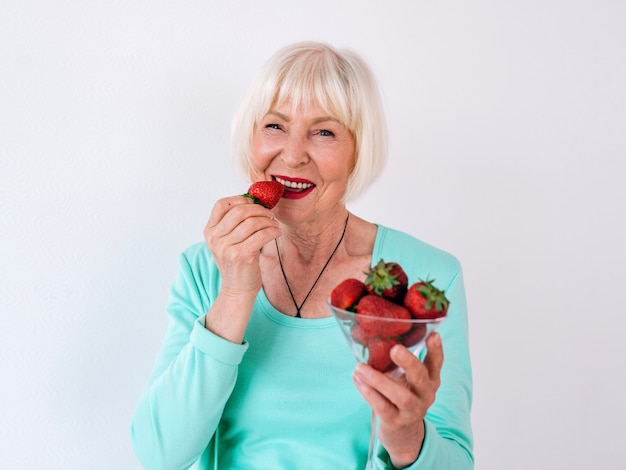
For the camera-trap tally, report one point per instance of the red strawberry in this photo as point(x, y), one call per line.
point(266, 193)
point(425, 301)
point(414, 335)
point(376, 313)
point(387, 280)
point(346, 295)
point(359, 335)
point(378, 356)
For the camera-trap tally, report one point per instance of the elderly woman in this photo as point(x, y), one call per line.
point(253, 371)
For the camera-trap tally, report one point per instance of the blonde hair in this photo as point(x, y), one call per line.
point(340, 82)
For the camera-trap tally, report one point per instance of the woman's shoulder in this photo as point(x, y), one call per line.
point(196, 251)
point(413, 253)
point(197, 268)
point(198, 258)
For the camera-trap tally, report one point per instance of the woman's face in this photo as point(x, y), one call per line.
point(309, 152)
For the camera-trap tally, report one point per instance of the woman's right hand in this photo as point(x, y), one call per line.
point(235, 233)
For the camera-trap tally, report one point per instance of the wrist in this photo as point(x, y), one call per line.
point(404, 459)
point(229, 315)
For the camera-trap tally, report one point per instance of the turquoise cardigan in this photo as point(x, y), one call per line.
point(284, 399)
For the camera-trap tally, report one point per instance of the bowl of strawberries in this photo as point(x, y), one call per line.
point(384, 310)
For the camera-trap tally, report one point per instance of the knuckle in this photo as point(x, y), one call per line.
point(388, 412)
point(209, 237)
point(221, 205)
point(417, 380)
point(406, 401)
point(429, 396)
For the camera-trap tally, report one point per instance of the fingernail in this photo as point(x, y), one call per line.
point(361, 371)
point(398, 351)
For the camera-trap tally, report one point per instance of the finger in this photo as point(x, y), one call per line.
point(434, 357)
point(415, 373)
point(387, 396)
point(224, 206)
point(228, 213)
point(250, 227)
point(252, 241)
point(368, 382)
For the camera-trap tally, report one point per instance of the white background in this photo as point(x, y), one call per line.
point(508, 148)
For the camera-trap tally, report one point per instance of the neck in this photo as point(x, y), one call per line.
point(313, 239)
point(295, 303)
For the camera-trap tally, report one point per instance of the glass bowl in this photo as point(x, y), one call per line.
point(371, 337)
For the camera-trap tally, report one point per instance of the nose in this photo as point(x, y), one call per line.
point(295, 152)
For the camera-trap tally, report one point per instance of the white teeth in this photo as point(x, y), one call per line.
point(293, 184)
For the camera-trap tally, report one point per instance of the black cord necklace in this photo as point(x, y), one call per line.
point(299, 307)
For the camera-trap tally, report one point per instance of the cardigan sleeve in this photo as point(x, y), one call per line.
point(193, 377)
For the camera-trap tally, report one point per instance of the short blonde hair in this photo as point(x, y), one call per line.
point(340, 82)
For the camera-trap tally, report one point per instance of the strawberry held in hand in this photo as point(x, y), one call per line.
point(266, 193)
point(425, 301)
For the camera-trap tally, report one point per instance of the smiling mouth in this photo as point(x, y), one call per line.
point(292, 185)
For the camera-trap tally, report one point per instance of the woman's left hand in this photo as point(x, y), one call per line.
point(401, 404)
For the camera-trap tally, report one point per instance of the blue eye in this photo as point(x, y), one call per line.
point(272, 126)
point(326, 133)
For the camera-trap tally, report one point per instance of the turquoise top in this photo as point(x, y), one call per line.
point(284, 399)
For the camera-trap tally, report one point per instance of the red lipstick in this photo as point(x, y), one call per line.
point(295, 188)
